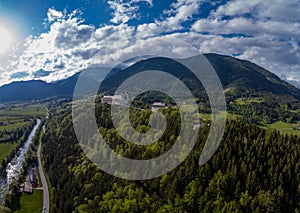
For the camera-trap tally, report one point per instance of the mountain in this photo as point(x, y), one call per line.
point(37, 90)
point(236, 74)
point(239, 78)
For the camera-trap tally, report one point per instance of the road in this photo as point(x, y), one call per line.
point(44, 182)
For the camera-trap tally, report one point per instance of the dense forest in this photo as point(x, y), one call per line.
point(254, 170)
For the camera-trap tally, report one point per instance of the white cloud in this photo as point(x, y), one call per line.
point(260, 31)
point(236, 7)
point(71, 46)
point(248, 27)
point(179, 12)
point(272, 54)
point(276, 10)
point(125, 10)
point(53, 51)
point(265, 32)
point(54, 15)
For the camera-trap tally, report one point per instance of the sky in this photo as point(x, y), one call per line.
point(53, 40)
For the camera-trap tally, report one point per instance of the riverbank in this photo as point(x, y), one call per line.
point(9, 184)
point(39, 200)
point(16, 122)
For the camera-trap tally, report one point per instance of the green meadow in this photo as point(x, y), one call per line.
point(14, 118)
point(31, 203)
point(5, 149)
point(283, 127)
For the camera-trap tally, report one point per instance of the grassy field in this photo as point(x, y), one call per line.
point(284, 127)
point(295, 111)
point(244, 101)
point(17, 110)
point(5, 149)
point(31, 203)
point(205, 116)
point(13, 117)
point(13, 126)
point(229, 116)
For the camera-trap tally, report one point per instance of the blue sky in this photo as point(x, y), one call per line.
point(56, 39)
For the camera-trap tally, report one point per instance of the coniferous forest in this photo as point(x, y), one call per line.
point(253, 170)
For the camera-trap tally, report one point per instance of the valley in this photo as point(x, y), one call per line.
point(17, 120)
point(255, 168)
point(150, 106)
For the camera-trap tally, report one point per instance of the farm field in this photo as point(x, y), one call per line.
point(13, 120)
point(244, 101)
point(5, 149)
point(283, 127)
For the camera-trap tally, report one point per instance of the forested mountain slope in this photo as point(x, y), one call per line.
point(254, 170)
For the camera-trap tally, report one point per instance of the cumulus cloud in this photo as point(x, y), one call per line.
point(51, 54)
point(54, 15)
point(267, 52)
point(276, 10)
point(71, 46)
point(71, 34)
point(248, 27)
point(264, 32)
point(180, 12)
point(125, 10)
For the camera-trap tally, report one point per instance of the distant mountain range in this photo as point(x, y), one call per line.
point(238, 77)
point(37, 89)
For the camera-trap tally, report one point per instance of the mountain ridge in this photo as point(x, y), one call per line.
point(237, 77)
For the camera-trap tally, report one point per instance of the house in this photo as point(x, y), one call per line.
point(33, 180)
point(27, 187)
point(198, 126)
point(115, 99)
point(157, 105)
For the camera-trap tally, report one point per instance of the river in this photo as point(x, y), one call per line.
point(15, 165)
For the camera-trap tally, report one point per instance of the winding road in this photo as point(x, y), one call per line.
point(44, 182)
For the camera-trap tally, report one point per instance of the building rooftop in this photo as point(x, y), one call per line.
point(159, 104)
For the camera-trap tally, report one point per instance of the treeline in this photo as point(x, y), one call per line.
point(20, 140)
point(264, 112)
point(254, 170)
point(11, 134)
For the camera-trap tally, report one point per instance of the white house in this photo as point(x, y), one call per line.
point(115, 99)
point(157, 105)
